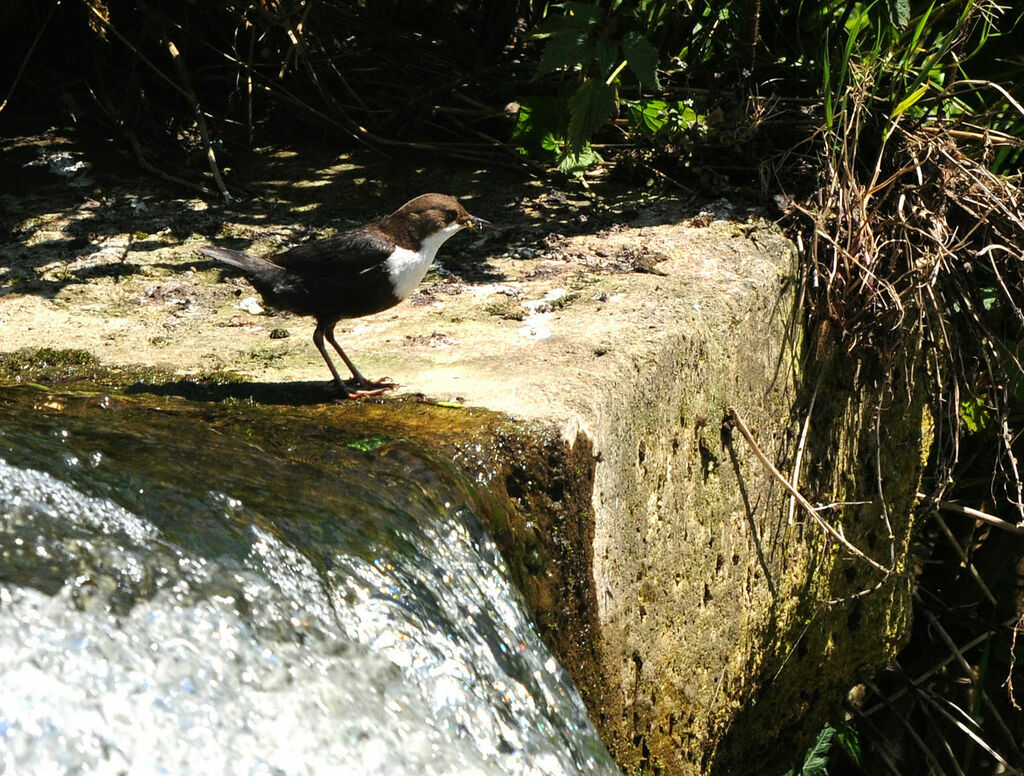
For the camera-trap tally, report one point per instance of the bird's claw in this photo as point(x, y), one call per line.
point(364, 389)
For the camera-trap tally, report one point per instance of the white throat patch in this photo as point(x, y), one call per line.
point(406, 268)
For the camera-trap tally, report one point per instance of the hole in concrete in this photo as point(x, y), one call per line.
point(720, 561)
point(514, 485)
point(641, 452)
point(707, 593)
point(557, 490)
point(708, 461)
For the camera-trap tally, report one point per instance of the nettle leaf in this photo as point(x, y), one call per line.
point(607, 55)
point(562, 50)
point(642, 58)
point(649, 114)
point(576, 164)
point(589, 109)
point(541, 119)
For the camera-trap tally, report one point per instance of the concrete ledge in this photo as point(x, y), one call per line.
point(658, 555)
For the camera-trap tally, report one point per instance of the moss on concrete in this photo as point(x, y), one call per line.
point(842, 620)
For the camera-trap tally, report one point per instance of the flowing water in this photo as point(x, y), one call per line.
point(184, 593)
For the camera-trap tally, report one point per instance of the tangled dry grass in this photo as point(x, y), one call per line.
point(914, 257)
point(927, 256)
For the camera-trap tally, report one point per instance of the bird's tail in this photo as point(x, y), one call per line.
point(235, 258)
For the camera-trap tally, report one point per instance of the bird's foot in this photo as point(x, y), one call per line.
point(361, 388)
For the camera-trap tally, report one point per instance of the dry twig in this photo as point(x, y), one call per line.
point(835, 533)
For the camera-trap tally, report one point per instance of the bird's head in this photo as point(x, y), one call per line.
point(435, 214)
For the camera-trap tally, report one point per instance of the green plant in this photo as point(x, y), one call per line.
point(596, 49)
point(815, 760)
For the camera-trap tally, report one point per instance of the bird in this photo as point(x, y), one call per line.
point(358, 272)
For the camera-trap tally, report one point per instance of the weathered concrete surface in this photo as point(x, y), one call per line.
point(658, 553)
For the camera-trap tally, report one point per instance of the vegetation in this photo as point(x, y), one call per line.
point(888, 132)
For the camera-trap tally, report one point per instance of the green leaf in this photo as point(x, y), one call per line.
point(370, 443)
point(849, 739)
point(551, 143)
point(651, 115)
point(541, 121)
point(578, 163)
point(989, 298)
point(858, 19)
point(642, 58)
point(607, 55)
point(541, 127)
point(826, 69)
point(589, 109)
point(562, 50)
point(908, 102)
point(815, 759)
point(974, 414)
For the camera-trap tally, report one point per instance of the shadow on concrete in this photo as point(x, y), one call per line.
point(75, 209)
point(296, 394)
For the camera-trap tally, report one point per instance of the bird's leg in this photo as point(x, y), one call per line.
point(367, 387)
point(318, 340)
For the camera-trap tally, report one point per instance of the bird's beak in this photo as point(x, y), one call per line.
point(478, 223)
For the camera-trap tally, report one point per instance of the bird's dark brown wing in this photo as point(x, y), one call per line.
point(354, 251)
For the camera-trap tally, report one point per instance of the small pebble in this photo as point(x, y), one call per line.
point(250, 305)
point(279, 333)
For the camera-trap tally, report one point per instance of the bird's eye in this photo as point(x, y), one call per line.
point(450, 215)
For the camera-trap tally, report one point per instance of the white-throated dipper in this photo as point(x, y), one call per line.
point(358, 272)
